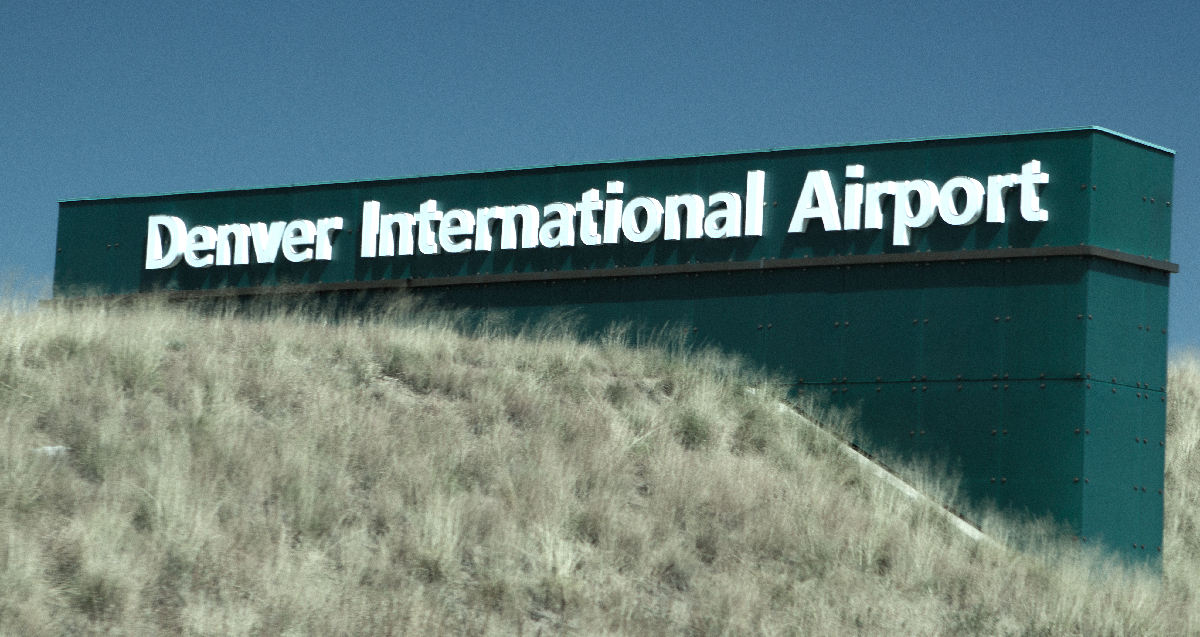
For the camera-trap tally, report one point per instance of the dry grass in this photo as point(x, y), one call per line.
point(236, 475)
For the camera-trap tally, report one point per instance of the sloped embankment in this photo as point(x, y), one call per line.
point(274, 475)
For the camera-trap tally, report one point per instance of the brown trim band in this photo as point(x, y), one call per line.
point(684, 268)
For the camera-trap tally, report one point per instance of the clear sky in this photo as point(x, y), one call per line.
point(116, 98)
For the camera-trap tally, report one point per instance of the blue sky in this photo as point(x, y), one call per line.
point(116, 98)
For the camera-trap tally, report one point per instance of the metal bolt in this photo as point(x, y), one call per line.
point(1076, 432)
point(1003, 480)
point(1087, 432)
point(1007, 319)
point(914, 321)
point(995, 387)
point(995, 376)
point(924, 378)
point(922, 432)
point(959, 377)
point(1004, 432)
point(993, 481)
point(760, 326)
point(1043, 375)
point(1079, 316)
point(1076, 480)
point(1114, 390)
point(914, 388)
point(1089, 317)
point(1006, 385)
point(924, 387)
point(879, 379)
point(927, 321)
point(1093, 187)
point(911, 434)
point(878, 389)
point(1085, 481)
point(997, 319)
point(914, 379)
point(993, 432)
point(1089, 385)
point(1152, 200)
point(769, 326)
point(1143, 198)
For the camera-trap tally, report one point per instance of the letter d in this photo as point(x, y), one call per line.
point(177, 236)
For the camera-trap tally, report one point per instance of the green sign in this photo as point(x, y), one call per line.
point(999, 302)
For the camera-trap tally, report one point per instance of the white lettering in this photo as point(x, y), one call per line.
point(816, 202)
point(370, 229)
point(971, 209)
point(1031, 176)
point(588, 232)
point(267, 241)
point(426, 239)
point(156, 259)
point(530, 220)
point(298, 234)
point(400, 243)
point(693, 207)
point(905, 219)
point(456, 223)
point(483, 226)
point(325, 229)
point(240, 233)
point(852, 213)
point(876, 191)
point(997, 187)
point(200, 239)
point(654, 217)
point(725, 221)
point(612, 212)
point(755, 189)
point(558, 229)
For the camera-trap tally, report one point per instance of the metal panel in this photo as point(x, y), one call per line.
point(882, 342)
point(964, 314)
point(806, 321)
point(729, 312)
point(1043, 318)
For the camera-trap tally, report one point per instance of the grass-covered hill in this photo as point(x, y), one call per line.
point(230, 474)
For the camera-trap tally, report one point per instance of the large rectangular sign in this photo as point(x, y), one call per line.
point(998, 302)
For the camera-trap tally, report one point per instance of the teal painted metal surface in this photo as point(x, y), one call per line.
point(1039, 375)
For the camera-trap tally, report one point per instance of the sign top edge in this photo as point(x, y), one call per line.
point(911, 140)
